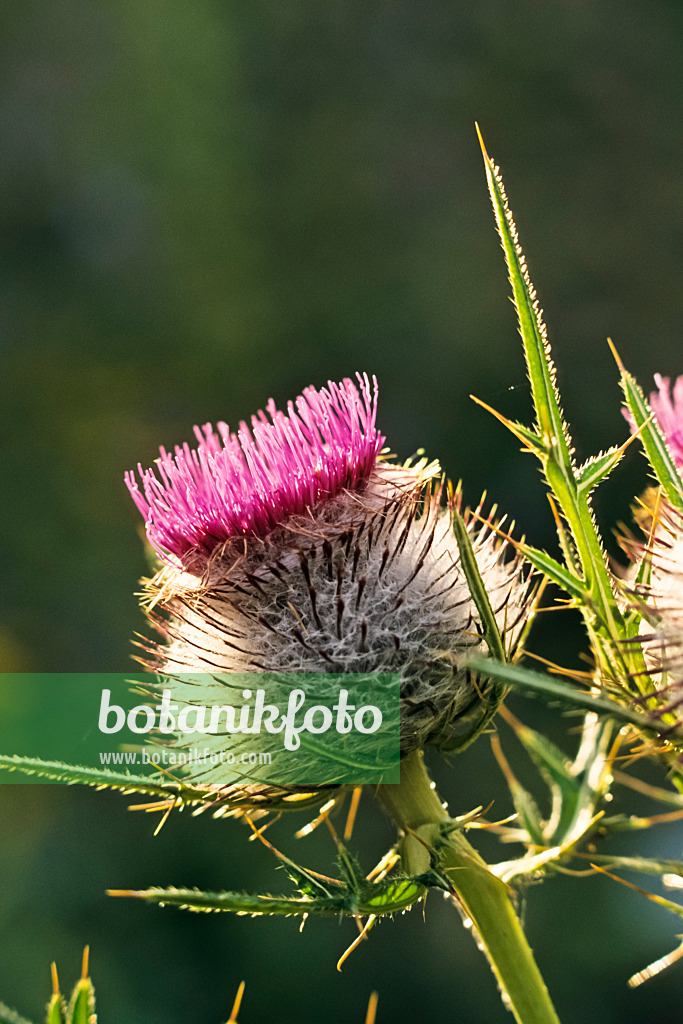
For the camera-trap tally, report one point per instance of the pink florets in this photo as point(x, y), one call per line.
point(246, 483)
point(670, 414)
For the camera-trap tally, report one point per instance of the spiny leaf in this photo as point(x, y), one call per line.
point(551, 568)
point(539, 362)
point(564, 785)
point(101, 778)
point(527, 681)
point(592, 588)
point(399, 895)
point(529, 438)
point(596, 469)
point(527, 810)
point(478, 591)
point(653, 442)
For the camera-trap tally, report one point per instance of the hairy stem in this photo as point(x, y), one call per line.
point(415, 808)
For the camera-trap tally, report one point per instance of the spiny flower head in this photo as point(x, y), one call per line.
point(247, 483)
point(661, 605)
point(302, 550)
point(669, 413)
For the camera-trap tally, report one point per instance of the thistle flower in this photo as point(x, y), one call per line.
point(661, 603)
point(669, 414)
point(299, 548)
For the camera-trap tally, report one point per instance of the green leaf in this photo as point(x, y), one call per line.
point(530, 438)
point(539, 362)
point(551, 568)
point(548, 758)
point(104, 778)
point(537, 684)
point(527, 811)
point(564, 785)
point(388, 899)
point(598, 468)
point(468, 561)
point(73, 774)
point(652, 440)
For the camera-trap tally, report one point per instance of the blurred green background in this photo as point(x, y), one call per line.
point(204, 205)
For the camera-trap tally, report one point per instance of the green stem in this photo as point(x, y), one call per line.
point(415, 808)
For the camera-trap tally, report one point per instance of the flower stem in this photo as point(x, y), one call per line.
point(415, 808)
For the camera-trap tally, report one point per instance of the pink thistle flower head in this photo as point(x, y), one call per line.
point(669, 414)
point(246, 483)
point(294, 548)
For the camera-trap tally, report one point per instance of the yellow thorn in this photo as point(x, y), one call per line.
point(372, 1008)
point(503, 763)
point(354, 945)
point(637, 433)
point(617, 358)
point(505, 421)
point(55, 979)
point(236, 1005)
point(656, 968)
point(84, 967)
point(481, 143)
point(353, 809)
point(164, 819)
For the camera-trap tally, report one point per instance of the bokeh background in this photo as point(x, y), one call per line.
point(204, 205)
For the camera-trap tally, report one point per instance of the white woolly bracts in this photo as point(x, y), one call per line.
point(661, 604)
point(367, 582)
point(295, 546)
